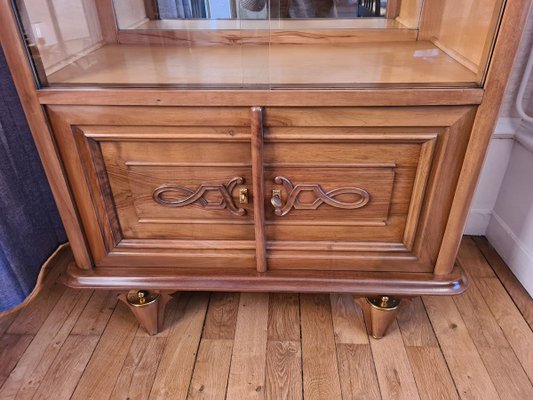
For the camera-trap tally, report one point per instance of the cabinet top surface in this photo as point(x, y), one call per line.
point(311, 65)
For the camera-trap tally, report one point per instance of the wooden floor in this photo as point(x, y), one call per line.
point(82, 345)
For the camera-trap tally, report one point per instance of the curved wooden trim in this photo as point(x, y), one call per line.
point(50, 262)
point(321, 197)
point(357, 283)
point(197, 196)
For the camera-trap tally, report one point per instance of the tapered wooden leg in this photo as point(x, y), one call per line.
point(379, 313)
point(148, 307)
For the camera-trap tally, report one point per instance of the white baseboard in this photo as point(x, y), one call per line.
point(506, 127)
point(512, 250)
point(477, 222)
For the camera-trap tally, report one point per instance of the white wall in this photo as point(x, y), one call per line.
point(510, 228)
point(502, 208)
point(489, 184)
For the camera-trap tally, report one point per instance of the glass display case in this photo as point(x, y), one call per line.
point(259, 43)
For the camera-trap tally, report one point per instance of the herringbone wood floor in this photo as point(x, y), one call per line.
point(82, 345)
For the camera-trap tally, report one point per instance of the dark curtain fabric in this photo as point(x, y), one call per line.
point(181, 9)
point(311, 8)
point(30, 228)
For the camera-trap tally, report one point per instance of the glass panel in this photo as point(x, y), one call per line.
point(260, 43)
point(255, 47)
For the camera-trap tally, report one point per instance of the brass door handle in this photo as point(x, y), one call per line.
point(276, 199)
point(243, 195)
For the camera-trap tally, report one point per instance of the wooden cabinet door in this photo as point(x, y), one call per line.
point(360, 188)
point(364, 189)
point(160, 185)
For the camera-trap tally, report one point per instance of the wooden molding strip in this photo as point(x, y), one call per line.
point(248, 280)
point(427, 151)
point(279, 97)
point(258, 186)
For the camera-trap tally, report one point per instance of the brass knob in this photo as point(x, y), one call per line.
point(140, 298)
point(243, 196)
point(384, 302)
point(276, 199)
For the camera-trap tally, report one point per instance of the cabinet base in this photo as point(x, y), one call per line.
point(148, 306)
point(400, 284)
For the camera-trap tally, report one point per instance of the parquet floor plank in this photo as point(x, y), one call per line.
point(177, 361)
point(81, 345)
point(248, 361)
point(520, 296)
point(357, 372)
point(284, 371)
point(395, 376)
point(41, 352)
point(138, 371)
point(211, 371)
point(103, 369)
point(320, 371)
point(460, 352)
point(65, 372)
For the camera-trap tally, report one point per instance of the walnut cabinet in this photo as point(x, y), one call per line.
point(247, 148)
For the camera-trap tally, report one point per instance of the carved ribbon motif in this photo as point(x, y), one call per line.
point(322, 197)
point(196, 196)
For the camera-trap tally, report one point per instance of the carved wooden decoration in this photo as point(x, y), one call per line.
point(322, 197)
point(197, 196)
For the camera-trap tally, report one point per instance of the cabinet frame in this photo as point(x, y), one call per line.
point(83, 275)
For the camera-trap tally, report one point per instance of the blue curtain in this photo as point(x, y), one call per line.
point(30, 228)
point(181, 9)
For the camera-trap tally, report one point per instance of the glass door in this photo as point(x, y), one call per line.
point(260, 43)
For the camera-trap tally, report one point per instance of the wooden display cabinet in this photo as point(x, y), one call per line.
point(245, 148)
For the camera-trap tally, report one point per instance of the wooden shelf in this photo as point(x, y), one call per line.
point(360, 64)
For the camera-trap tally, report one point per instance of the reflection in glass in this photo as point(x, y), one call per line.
point(264, 9)
point(264, 44)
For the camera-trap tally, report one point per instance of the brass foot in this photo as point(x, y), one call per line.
point(379, 313)
point(148, 307)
